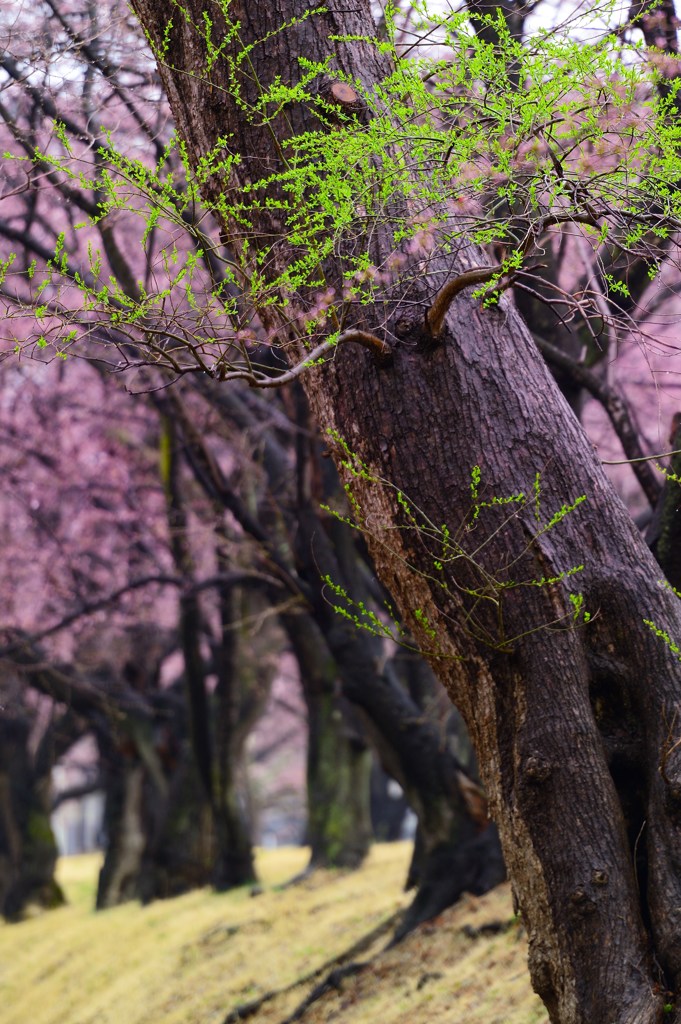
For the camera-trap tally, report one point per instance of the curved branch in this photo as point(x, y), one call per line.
point(380, 350)
point(435, 317)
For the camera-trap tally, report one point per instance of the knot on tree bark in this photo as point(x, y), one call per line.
point(674, 791)
point(581, 902)
point(413, 328)
point(537, 769)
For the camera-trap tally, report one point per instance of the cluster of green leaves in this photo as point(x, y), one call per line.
point(482, 141)
point(487, 141)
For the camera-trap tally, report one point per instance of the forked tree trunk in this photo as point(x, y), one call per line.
point(576, 726)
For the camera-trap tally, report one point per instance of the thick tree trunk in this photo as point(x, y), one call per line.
point(180, 849)
point(124, 824)
point(564, 716)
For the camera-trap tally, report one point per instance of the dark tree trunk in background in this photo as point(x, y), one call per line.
point(28, 851)
point(338, 774)
point(245, 672)
point(562, 715)
point(664, 532)
point(180, 848)
point(159, 833)
point(338, 761)
point(389, 806)
point(124, 825)
point(218, 726)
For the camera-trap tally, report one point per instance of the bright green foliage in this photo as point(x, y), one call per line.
point(489, 143)
point(665, 637)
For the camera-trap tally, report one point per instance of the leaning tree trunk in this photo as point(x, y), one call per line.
point(575, 724)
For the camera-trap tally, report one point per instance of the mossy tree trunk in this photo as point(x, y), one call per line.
point(338, 773)
point(28, 851)
point(338, 759)
point(218, 725)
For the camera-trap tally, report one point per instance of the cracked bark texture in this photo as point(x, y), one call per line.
point(571, 726)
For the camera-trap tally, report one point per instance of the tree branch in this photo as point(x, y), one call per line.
point(435, 316)
point(236, 578)
point(380, 350)
point(618, 414)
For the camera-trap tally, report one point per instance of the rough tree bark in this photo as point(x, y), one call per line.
point(576, 729)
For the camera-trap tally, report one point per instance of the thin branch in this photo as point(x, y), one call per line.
point(380, 349)
point(109, 72)
point(618, 414)
point(644, 458)
point(232, 579)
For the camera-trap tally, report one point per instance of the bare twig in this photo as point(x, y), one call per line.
point(618, 413)
point(380, 350)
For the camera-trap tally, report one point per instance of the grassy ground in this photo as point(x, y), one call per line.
point(194, 959)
